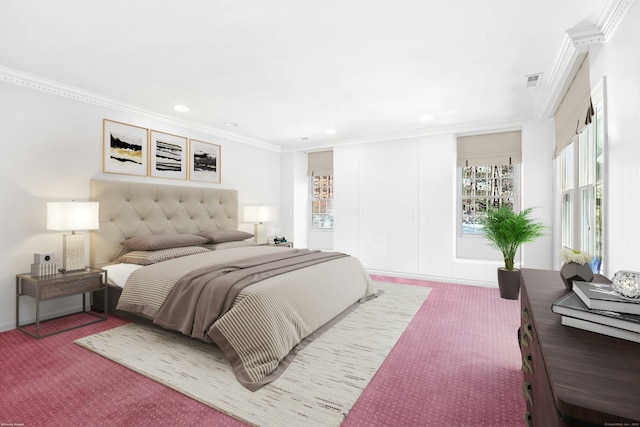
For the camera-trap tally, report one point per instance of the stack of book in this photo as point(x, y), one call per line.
point(598, 308)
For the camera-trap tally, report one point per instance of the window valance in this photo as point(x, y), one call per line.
point(320, 163)
point(575, 111)
point(490, 149)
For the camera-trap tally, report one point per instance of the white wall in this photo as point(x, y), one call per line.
point(52, 148)
point(294, 198)
point(619, 61)
point(296, 212)
point(537, 190)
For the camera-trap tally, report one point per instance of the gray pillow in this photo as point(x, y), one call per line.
point(152, 257)
point(221, 236)
point(228, 245)
point(163, 241)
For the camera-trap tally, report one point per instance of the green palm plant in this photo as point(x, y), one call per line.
point(507, 230)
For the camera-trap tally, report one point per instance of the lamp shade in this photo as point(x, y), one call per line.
point(260, 213)
point(71, 216)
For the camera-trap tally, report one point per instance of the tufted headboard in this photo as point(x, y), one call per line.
point(130, 209)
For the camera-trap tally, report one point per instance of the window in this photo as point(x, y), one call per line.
point(322, 202)
point(483, 187)
point(582, 188)
point(489, 170)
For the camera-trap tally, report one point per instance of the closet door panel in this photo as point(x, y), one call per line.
point(373, 194)
point(402, 206)
point(437, 198)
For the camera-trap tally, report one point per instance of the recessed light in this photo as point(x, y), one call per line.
point(426, 117)
point(232, 125)
point(330, 131)
point(181, 108)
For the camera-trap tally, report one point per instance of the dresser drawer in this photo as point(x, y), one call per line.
point(536, 389)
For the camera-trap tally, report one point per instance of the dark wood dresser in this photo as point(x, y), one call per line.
point(573, 377)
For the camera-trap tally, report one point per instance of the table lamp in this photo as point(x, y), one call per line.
point(259, 215)
point(72, 216)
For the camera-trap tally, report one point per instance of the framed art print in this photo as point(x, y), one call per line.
point(204, 161)
point(124, 148)
point(168, 155)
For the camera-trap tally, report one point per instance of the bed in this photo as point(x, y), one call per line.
point(175, 258)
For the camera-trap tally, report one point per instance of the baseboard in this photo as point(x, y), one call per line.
point(433, 278)
point(27, 319)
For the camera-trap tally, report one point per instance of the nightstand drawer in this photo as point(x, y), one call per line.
point(56, 288)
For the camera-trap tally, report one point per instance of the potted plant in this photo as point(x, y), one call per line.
point(507, 230)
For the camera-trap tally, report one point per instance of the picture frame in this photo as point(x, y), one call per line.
point(205, 161)
point(125, 148)
point(168, 155)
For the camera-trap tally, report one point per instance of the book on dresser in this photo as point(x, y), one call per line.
point(601, 329)
point(601, 296)
point(572, 306)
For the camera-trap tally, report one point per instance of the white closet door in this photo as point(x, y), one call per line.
point(346, 199)
point(373, 200)
point(437, 198)
point(402, 206)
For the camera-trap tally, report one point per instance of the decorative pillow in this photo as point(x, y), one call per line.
point(163, 241)
point(221, 236)
point(152, 257)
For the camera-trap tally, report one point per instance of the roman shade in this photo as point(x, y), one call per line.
point(320, 163)
point(490, 149)
point(575, 110)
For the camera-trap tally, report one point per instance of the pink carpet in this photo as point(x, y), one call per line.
point(457, 364)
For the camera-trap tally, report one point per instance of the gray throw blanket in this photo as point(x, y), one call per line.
point(202, 296)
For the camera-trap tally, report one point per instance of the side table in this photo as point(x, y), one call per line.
point(42, 288)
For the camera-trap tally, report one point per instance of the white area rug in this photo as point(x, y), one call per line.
point(318, 389)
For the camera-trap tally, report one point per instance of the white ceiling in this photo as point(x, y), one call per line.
point(283, 70)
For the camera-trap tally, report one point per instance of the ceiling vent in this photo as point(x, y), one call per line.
point(533, 80)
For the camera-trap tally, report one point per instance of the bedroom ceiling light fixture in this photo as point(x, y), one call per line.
point(259, 215)
point(330, 131)
point(232, 125)
point(72, 216)
point(181, 108)
point(426, 117)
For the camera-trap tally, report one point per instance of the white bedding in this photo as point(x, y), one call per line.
point(117, 274)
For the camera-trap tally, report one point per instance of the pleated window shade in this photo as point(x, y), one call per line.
point(490, 149)
point(575, 110)
point(320, 163)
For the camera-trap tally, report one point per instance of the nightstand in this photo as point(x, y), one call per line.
point(42, 288)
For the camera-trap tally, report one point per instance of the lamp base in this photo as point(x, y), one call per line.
point(73, 252)
point(260, 232)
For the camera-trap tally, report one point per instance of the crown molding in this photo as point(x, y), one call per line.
point(575, 47)
point(51, 87)
point(457, 129)
point(610, 20)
